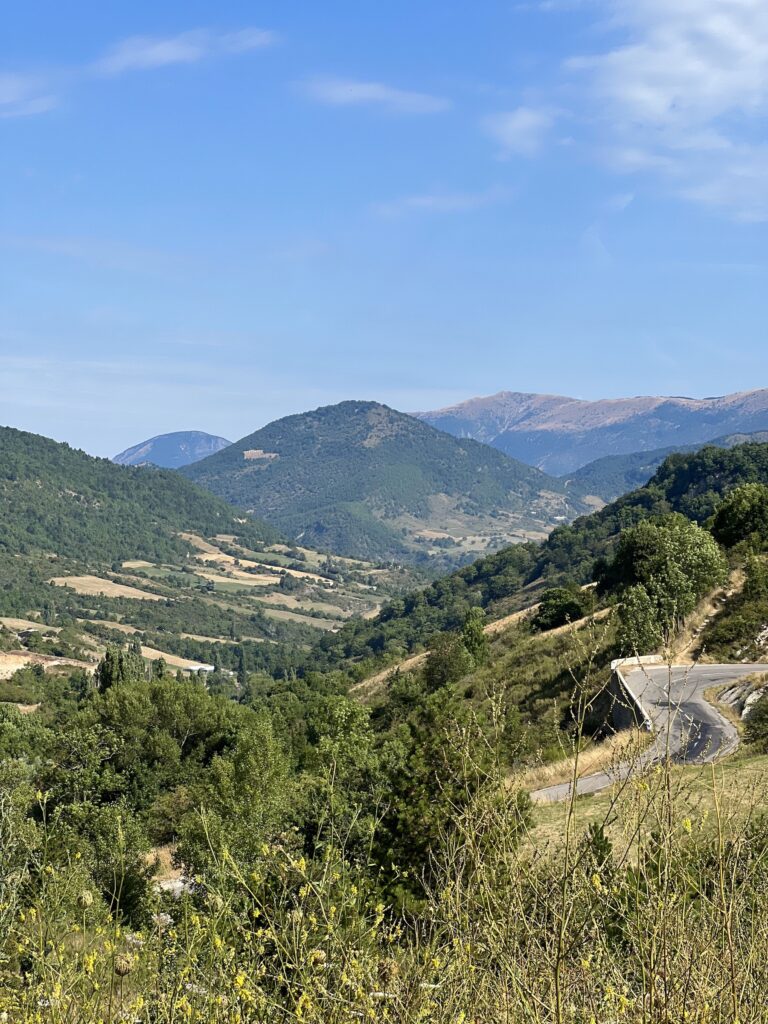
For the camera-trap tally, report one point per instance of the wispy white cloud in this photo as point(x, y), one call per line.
point(23, 95)
point(142, 53)
point(686, 96)
point(443, 202)
point(520, 132)
point(620, 202)
point(347, 92)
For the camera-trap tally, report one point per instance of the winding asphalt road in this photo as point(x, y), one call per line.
point(687, 728)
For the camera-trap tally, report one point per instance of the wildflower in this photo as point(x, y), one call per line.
point(85, 899)
point(303, 1005)
point(123, 965)
point(688, 825)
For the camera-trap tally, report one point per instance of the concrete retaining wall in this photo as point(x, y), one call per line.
point(627, 710)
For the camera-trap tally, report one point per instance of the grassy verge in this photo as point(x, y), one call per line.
point(739, 783)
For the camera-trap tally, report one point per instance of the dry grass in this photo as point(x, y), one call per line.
point(740, 783)
point(120, 627)
point(161, 858)
point(595, 757)
point(304, 620)
point(22, 624)
point(93, 586)
point(173, 660)
point(242, 579)
point(684, 648)
point(501, 625)
point(370, 687)
point(317, 559)
point(304, 604)
point(12, 661)
point(210, 553)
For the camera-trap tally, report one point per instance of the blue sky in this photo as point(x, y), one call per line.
point(216, 214)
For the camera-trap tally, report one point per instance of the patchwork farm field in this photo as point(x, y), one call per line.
point(217, 605)
point(96, 586)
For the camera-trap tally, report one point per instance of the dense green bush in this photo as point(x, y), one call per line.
point(560, 605)
point(743, 516)
point(756, 725)
point(664, 566)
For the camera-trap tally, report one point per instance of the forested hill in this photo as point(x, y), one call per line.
point(56, 499)
point(614, 475)
point(360, 479)
point(691, 484)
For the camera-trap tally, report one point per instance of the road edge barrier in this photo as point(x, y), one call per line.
point(625, 697)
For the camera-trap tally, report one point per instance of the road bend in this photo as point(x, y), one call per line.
point(687, 729)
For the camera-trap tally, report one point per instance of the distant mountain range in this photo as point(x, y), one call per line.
point(560, 435)
point(360, 479)
point(171, 451)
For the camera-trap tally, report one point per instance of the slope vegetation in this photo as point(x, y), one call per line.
point(57, 499)
point(361, 479)
point(513, 578)
point(105, 551)
point(614, 475)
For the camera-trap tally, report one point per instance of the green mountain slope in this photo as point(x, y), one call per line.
point(106, 552)
point(614, 475)
point(59, 500)
point(512, 578)
point(361, 479)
